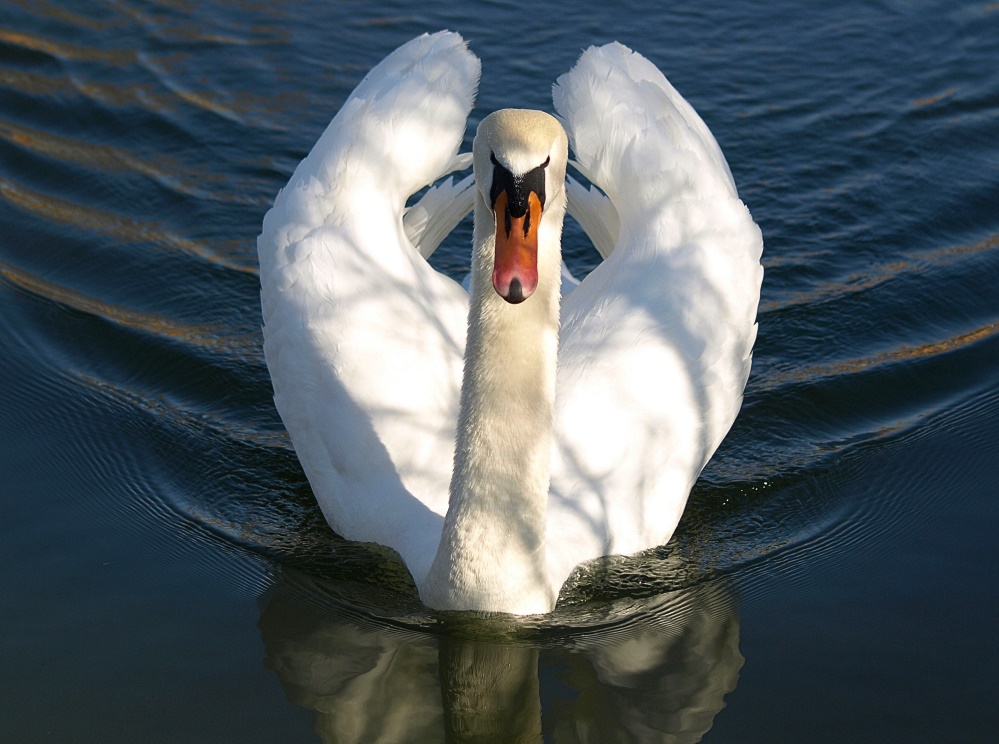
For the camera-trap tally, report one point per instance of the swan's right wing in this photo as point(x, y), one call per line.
point(655, 344)
point(363, 339)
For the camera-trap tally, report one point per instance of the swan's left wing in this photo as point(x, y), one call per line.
point(363, 339)
point(655, 344)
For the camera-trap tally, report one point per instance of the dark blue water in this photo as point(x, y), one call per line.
point(164, 572)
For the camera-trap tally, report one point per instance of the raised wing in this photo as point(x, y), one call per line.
point(363, 339)
point(656, 343)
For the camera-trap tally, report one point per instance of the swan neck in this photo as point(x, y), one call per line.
point(492, 553)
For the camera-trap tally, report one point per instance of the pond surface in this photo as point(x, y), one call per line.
point(165, 574)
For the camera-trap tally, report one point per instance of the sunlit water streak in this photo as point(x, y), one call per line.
point(793, 399)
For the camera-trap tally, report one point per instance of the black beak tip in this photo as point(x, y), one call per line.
point(516, 293)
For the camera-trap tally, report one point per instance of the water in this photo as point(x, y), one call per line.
point(165, 574)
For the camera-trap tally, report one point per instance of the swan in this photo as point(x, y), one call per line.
point(499, 437)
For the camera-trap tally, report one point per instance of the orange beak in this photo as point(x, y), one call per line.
point(515, 267)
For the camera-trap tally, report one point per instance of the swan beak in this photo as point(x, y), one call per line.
point(515, 267)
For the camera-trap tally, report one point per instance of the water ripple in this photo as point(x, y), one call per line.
point(140, 157)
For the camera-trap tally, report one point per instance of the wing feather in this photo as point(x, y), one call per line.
point(364, 340)
point(656, 343)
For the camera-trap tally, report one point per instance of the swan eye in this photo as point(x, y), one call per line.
point(547, 161)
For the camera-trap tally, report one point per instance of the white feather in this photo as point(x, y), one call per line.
point(656, 342)
point(364, 341)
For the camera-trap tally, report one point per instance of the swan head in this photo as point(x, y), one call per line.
point(519, 158)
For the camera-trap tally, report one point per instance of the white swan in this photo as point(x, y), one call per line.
point(577, 437)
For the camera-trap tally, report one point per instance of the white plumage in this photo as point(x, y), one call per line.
point(365, 341)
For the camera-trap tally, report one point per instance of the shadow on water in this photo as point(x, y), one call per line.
point(654, 670)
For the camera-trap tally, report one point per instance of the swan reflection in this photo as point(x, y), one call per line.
point(651, 672)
